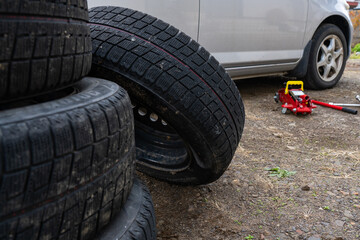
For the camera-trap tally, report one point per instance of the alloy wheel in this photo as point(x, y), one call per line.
point(330, 58)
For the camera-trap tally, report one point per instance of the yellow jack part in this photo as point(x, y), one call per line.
point(293, 83)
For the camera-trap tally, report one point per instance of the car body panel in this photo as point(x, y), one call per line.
point(249, 38)
point(321, 11)
point(253, 32)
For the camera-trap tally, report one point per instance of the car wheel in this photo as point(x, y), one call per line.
point(189, 115)
point(66, 164)
point(327, 58)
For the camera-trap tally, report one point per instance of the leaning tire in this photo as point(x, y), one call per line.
point(327, 58)
point(136, 219)
point(45, 45)
point(189, 114)
point(67, 164)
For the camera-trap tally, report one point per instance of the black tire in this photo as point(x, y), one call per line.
point(315, 79)
point(72, 9)
point(45, 45)
point(67, 164)
point(136, 221)
point(199, 111)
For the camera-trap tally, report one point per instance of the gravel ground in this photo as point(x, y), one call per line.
point(320, 201)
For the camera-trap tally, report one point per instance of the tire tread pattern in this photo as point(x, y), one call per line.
point(53, 56)
point(180, 46)
point(65, 175)
point(74, 9)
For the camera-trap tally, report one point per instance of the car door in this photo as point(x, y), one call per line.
point(253, 33)
point(183, 14)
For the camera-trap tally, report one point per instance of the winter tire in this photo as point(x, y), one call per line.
point(327, 58)
point(45, 45)
point(189, 115)
point(136, 219)
point(67, 164)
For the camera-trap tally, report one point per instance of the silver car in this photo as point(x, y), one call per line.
point(309, 39)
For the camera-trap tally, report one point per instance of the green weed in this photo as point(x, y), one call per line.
point(238, 222)
point(280, 173)
point(258, 212)
point(275, 199)
point(356, 48)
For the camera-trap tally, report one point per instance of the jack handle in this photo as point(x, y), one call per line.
point(347, 110)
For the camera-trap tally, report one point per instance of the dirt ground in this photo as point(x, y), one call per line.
point(320, 201)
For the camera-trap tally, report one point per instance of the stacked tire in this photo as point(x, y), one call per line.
point(67, 141)
point(67, 150)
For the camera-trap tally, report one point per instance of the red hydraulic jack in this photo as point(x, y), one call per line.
point(294, 99)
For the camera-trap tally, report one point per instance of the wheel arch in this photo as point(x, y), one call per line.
point(339, 21)
point(344, 26)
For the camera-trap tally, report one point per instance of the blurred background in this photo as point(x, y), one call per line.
point(355, 17)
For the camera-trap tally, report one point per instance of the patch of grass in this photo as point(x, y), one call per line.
point(326, 208)
point(258, 212)
point(249, 237)
point(280, 173)
point(238, 222)
point(275, 199)
point(354, 56)
point(356, 48)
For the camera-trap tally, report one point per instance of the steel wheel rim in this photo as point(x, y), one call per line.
point(330, 58)
point(169, 151)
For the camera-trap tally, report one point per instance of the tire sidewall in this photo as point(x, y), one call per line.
point(312, 75)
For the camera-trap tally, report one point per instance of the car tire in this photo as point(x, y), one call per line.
point(189, 115)
point(71, 9)
point(136, 219)
point(323, 56)
point(45, 46)
point(66, 164)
